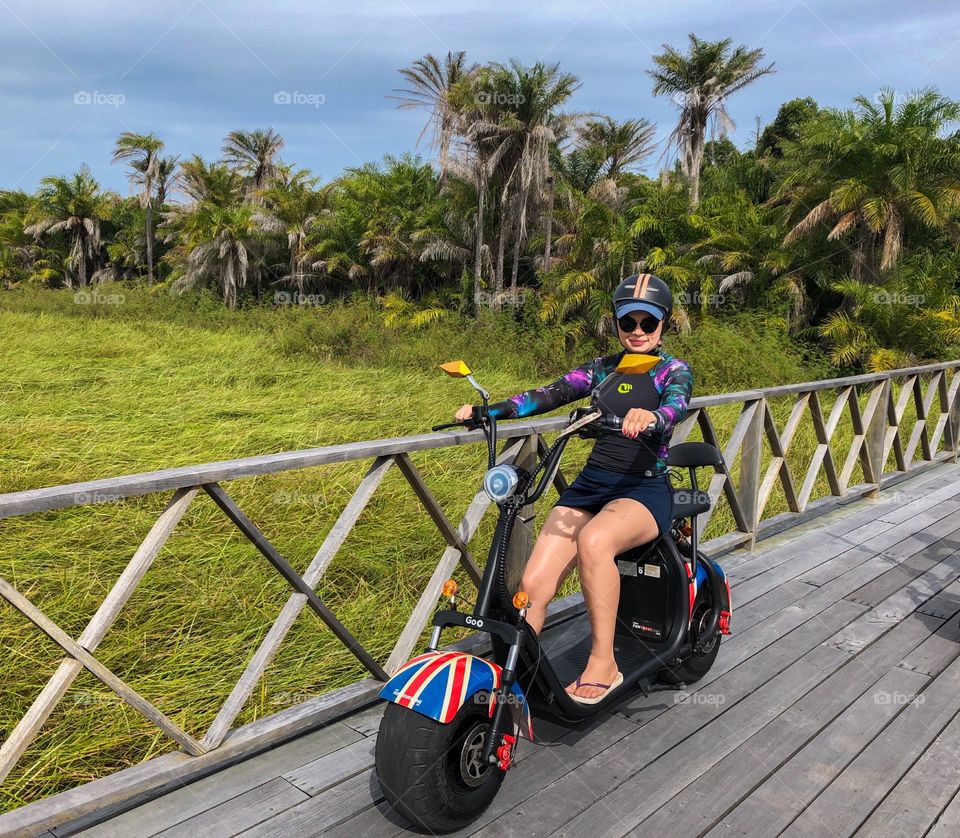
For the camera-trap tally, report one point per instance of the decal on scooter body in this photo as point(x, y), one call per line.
point(438, 684)
point(726, 604)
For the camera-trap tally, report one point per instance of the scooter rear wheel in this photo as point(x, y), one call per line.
point(695, 667)
point(431, 772)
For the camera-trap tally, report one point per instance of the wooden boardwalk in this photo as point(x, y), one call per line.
point(832, 710)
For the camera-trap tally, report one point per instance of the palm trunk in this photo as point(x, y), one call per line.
point(518, 226)
point(501, 247)
point(150, 241)
point(478, 259)
point(547, 246)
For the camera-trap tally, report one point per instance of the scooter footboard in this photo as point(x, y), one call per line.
point(438, 684)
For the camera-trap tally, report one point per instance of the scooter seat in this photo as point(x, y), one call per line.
point(693, 455)
point(687, 503)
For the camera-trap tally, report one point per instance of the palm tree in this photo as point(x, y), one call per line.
point(431, 82)
point(253, 154)
point(617, 146)
point(76, 207)
point(291, 208)
point(166, 177)
point(874, 174)
point(141, 151)
point(214, 233)
point(524, 103)
point(700, 83)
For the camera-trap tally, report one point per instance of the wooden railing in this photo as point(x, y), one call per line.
point(876, 406)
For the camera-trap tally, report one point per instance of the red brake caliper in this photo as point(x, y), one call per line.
point(505, 752)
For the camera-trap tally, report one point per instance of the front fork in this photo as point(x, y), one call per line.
point(499, 746)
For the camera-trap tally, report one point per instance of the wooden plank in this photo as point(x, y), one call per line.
point(615, 802)
point(914, 565)
point(893, 609)
point(317, 814)
point(192, 799)
point(41, 708)
point(947, 825)
point(831, 721)
point(241, 812)
point(747, 688)
point(787, 786)
point(916, 801)
point(848, 801)
point(325, 772)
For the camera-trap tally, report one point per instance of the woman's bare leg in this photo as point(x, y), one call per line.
point(620, 525)
point(553, 556)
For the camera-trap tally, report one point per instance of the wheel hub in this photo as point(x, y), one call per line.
point(472, 768)
point(701, 619)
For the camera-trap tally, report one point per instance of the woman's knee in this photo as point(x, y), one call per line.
point(593, 544)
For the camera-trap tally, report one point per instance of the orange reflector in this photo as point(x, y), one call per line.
point(520, 600)
point(449, 588)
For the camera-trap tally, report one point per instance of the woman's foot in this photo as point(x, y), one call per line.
point(600, 671)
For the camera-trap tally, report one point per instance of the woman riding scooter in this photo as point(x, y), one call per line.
point(622, 497)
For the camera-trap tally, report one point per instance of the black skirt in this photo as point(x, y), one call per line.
point(595, 487)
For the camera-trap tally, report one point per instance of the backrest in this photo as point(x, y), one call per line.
point(693, 455)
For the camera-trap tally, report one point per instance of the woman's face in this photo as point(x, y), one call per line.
point(638, 340)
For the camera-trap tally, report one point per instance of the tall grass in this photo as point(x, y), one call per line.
point(92, 390)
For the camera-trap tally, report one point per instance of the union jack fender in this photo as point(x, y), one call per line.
point(438, 684)
point(726, 603)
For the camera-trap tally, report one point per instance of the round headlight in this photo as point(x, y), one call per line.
point(500, 482)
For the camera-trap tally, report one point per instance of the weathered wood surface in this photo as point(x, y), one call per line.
point(831, 710)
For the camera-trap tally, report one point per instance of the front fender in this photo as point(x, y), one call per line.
point(438, 684)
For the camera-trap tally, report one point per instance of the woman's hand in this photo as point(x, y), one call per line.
point(637, 420)
point(464, 413)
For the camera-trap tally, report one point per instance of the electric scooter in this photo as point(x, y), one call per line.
point(451, 728)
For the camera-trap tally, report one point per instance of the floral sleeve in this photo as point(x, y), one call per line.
point(574, 385)
point(675, 383)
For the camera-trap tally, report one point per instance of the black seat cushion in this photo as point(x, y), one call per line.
point(687, 503)
point(693, 455)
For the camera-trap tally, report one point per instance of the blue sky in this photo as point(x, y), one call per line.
point(73, 75)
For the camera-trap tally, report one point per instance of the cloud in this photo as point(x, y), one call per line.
point(192, 70)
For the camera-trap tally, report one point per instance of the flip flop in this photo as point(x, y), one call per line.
point(597, 698)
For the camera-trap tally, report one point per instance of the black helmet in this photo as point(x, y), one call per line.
point(643, 292)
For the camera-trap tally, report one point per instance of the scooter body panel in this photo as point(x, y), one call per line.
point(437, 684)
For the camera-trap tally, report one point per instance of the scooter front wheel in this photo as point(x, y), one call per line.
point(432, 773)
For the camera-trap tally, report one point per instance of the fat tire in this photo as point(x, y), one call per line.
point(413, 762)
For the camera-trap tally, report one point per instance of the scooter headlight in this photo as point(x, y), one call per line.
point(500, 482)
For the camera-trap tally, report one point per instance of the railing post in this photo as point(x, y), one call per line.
point(750, 456)
point(876, 434)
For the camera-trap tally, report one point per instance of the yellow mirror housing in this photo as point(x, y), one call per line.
point(456, 369)
point(634, 362)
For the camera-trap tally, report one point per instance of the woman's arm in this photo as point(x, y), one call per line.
point(674, 394)
point(574, 385)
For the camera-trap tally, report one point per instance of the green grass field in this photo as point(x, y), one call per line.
point(91, 391)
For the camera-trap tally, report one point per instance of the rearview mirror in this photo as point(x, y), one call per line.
point(456, 369)
point(636, 363)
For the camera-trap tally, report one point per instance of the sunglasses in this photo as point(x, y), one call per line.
point(628, 323)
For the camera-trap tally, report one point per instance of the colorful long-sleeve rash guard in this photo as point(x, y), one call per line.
point(668, 398)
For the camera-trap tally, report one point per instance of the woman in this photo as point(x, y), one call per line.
point(621, 498)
